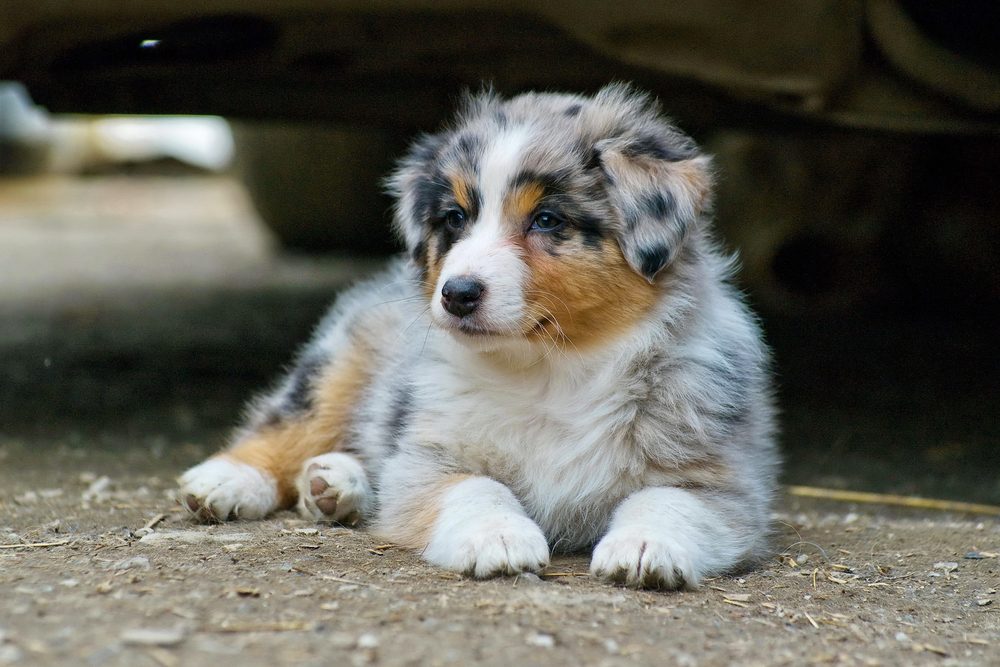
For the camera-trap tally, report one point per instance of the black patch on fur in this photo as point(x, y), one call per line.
point(429, 195)
point(553, 182)
point(467, 150)
point(591, 229)
point(298, 398)
point(650, 146)
point(593, 159)
point(399, 415)
point(573, 110)
point(652, 259)
point(420, 253)
point(660, 205)
point(445, 238)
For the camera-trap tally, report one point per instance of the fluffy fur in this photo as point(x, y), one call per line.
point(600, 384)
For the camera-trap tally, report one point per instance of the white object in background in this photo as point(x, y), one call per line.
point(20, 119)
point(205, 142)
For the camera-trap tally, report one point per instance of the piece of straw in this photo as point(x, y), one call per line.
point(892, 499)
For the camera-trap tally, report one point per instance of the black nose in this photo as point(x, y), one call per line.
point(460, 296)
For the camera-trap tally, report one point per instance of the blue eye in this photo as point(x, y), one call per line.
point(546, 221)
point(455, 219)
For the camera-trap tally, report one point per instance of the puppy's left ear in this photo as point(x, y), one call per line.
point(659, 194)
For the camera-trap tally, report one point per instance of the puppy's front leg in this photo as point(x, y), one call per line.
point(465, 523)
point(666, 537)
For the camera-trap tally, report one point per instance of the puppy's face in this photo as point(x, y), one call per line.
point(548, 218)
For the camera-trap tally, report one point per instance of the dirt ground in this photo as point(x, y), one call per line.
point(855, 587)
point(137, 314)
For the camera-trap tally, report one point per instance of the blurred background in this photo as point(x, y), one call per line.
point(185, 186)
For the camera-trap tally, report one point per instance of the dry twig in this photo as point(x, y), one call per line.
point(892, 499)
point(34, 545)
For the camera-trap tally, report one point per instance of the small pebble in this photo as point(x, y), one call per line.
point(982, 602)
point(133, 563)
point(611, 646)
point(802, 559)
point(540, 639)
point(153, 637)
point(529, 578)
point(367, 641)
point(902, 637)
point(10, 654)
point(946, 566)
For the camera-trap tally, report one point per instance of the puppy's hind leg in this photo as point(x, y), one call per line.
point(261, 471)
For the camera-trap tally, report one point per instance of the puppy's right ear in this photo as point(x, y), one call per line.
point(417, 185)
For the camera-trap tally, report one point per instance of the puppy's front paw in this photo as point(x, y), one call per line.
point(491, 546)
point(333, 487)
point(634, 557)
point(220, 490)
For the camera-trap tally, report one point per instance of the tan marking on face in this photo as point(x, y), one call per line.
point(589, 295)
point(282, 450)
point(522, 202)
point(413, 525)
point(461, 190)
point(433, 266)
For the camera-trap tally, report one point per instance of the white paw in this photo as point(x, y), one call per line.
point(334, 487)
point(220, 489)
point(637, 558)
point(489, 546)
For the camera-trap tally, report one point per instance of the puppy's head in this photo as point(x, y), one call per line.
point(548, 218)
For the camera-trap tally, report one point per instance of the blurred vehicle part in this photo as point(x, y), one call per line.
point(904, 65)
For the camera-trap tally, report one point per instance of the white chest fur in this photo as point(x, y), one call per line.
point(556, 433)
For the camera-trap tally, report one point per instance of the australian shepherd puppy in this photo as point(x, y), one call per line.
point(559, 363)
